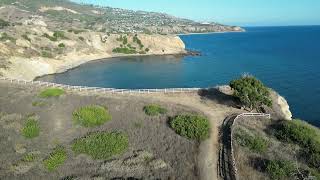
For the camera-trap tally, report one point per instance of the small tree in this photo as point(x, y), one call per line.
point(251, 92)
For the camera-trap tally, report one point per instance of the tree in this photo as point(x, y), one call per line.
point(251, 92)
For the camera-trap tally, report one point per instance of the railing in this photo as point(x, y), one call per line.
point(101, 90)
point(234, 165)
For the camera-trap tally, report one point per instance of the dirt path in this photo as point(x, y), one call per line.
point(208, 157)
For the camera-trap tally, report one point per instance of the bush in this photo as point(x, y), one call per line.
point(61, 45)
point(56, 158)
point(90, 116)
point(251, 92)
point(191, 126)
point(278, 169)
point(50, 37)
point(254, 143)
point(30, 157)
point(51, 92)
point(3, 23)
point(59, 34)
point(154, 110)
point(5, 37)
point(303, 134)
point(124, 50)
point(147, 49)
point(81, 38)
point(31, 128)
point(46, 54)
point(101, 145)
point(24, 36)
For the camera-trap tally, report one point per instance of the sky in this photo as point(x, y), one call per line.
point(232, 12)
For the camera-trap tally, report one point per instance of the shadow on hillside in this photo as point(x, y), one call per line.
point(219, 97)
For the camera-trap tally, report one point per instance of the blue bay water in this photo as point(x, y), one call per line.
point(286, 59)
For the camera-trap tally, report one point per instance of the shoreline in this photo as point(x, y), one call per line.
point(222, 32)
point(106, 58)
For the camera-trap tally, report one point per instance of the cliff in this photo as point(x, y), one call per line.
point(32, 50)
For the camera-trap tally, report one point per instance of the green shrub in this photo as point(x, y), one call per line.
point(38, 103)
point(90, 116)
point(55, 159)
point(51, 92)
point(124, 50)
point(147, 49)
point(59, 34)
point(50, 37)
point(279, 169)
point(154, 110)
point(303, 134)
point(5, 37)
point(251, 92)
point(30, 157)
point(191, 126)
point(24, 36)
point(3, 23)
point(61, 45)
point(81, 38)
point(46, 54)
point(31, 128)
point(76, 31)
point(101, 145)
point(254, 143)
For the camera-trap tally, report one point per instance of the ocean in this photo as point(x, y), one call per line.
point(286, 59)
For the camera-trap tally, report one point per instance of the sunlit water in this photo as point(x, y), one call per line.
point(284, 58)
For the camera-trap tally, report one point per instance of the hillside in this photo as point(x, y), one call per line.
point(39, 37)
point(65, 14)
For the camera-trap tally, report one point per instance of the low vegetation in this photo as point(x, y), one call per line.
point(191, 126)
point(30, 157)
point(25, 36)
point(154, 110)
point(4, 23)
point(304, 135)
point(101, 145)
point(279, 169)
point(76, 31)
point(56, 36)
point(38, 103)
point(61, 45)
point(5, 37)
point(46, 54)
point(254, 142)
point(51, 92)
point(124, 50)
point(31, 128)
point(90, 116)
point(251, 92)
point(55, 159)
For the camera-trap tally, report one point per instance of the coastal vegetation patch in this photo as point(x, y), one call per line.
point(51, 92)
point(4, 23)
point(251, 92)
point(31, 128)
point(56, 158)
point(280, 169)
point(154, 110)
point(191, 126)
point(304, 135)
point(90, 116)
point(101, 145)
point(5, 37)
point(254, 142)
point(30, 157)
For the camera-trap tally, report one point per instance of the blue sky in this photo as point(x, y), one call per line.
point(235, 12)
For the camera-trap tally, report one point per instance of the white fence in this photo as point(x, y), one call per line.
point(101, 90)
point(234, 165)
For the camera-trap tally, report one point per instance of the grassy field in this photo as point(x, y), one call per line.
point(51, 92)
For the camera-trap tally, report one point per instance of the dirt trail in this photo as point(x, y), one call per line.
point(208, 157)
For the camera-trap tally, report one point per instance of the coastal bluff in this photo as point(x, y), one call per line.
point(38, 56)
